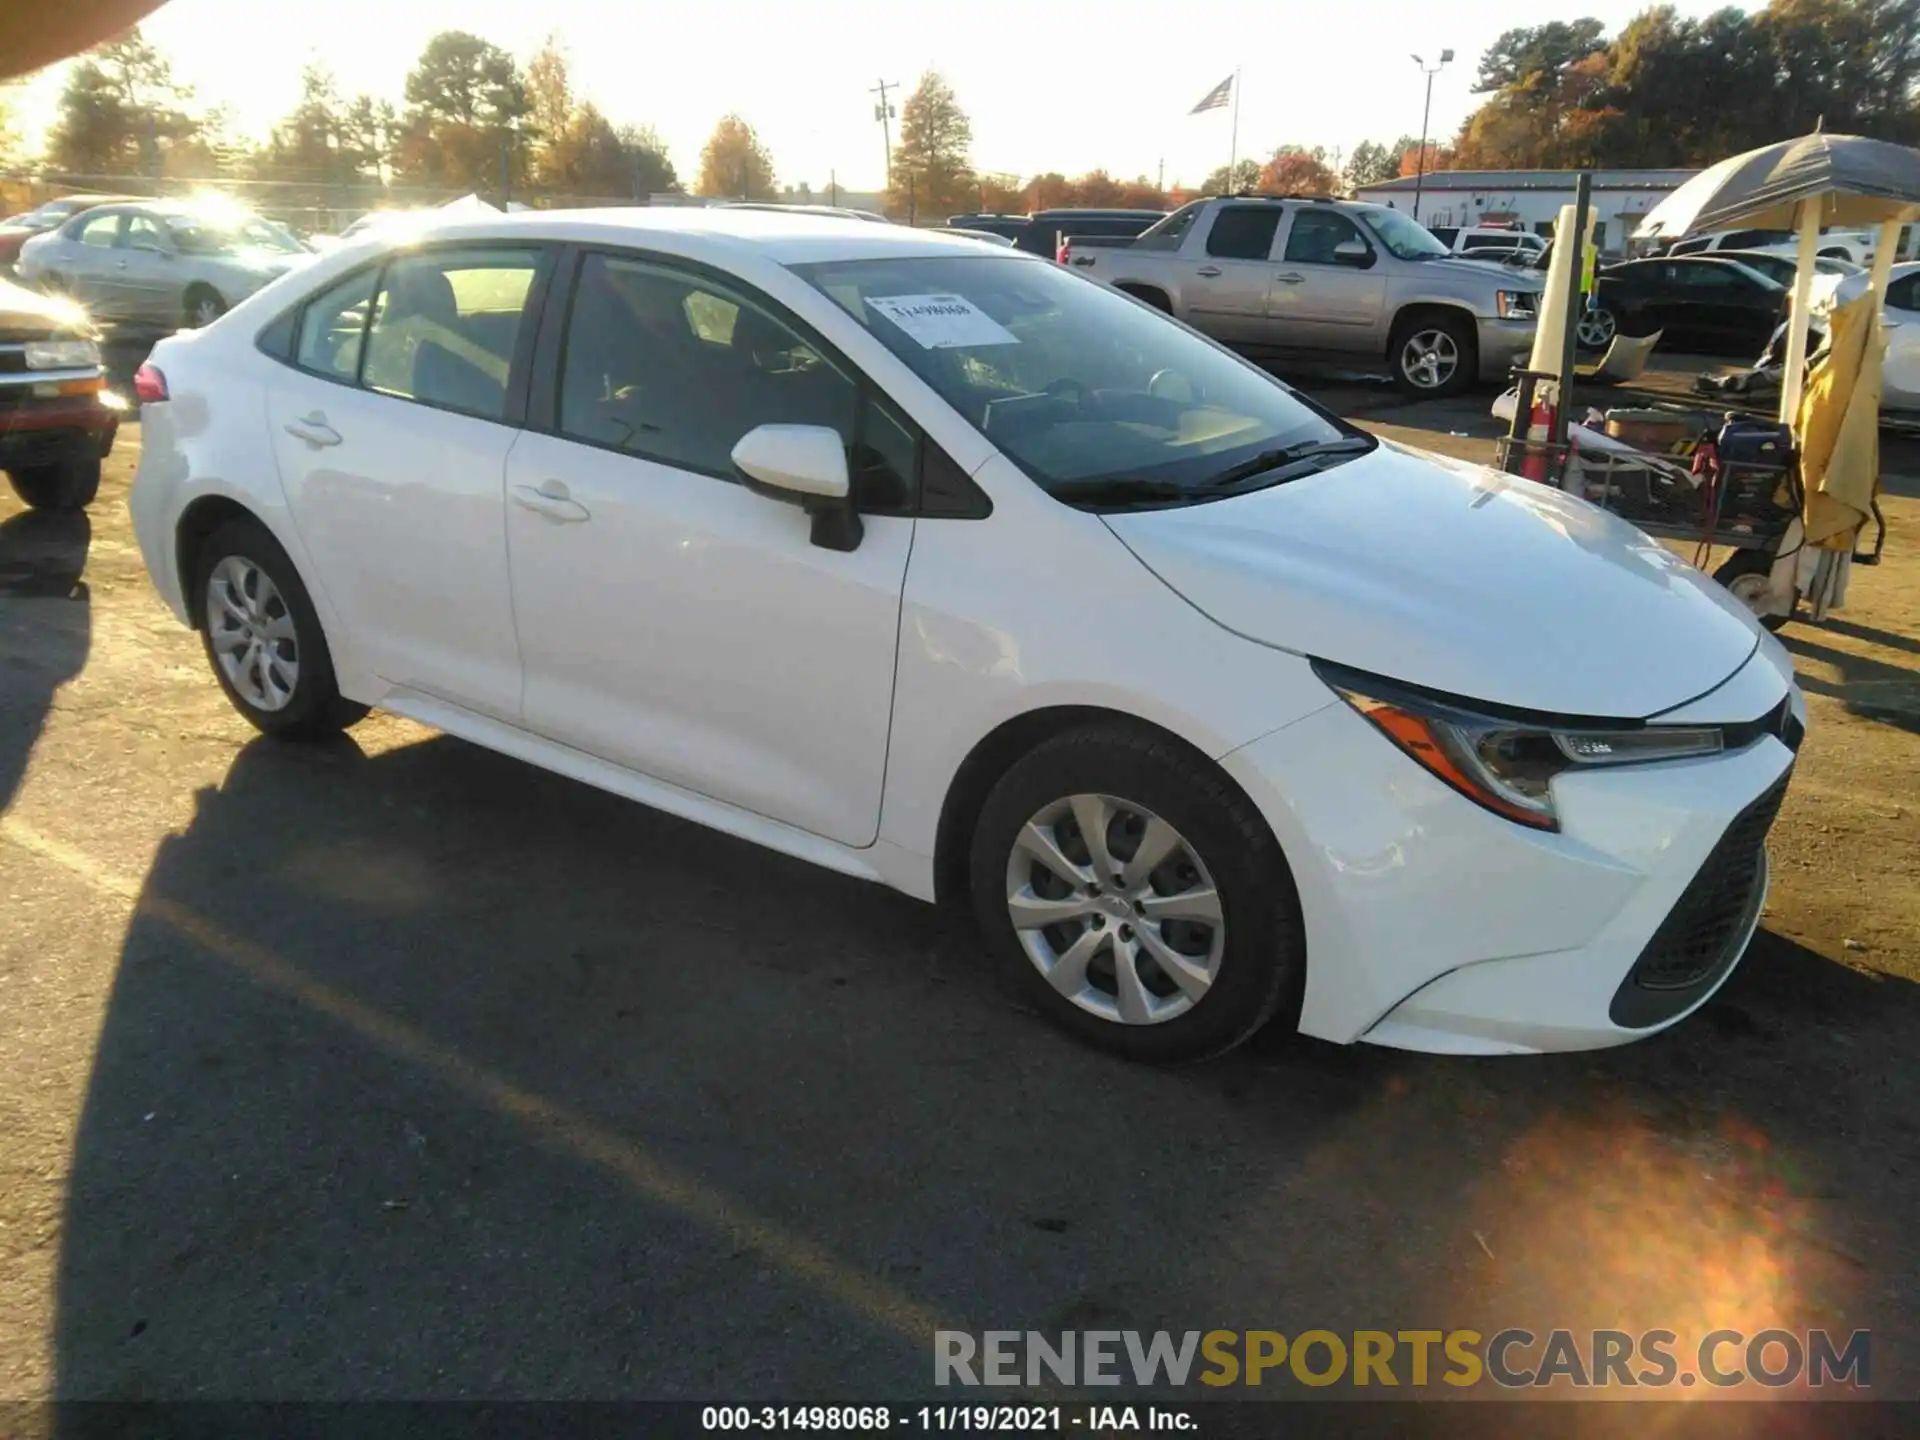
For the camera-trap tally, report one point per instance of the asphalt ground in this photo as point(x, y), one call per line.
point(397, 1069)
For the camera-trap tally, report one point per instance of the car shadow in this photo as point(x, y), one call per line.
point(1872, 689)
point(426, 1074)
point(45, 627)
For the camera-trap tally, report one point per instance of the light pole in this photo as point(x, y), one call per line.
point(1426, 110)
point(883, 111)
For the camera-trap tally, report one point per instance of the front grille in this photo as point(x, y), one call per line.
point(1700, 938)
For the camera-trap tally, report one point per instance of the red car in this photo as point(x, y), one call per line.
point(57, 419)
point(16, 230)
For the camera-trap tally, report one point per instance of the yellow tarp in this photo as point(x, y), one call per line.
point(1838, 426)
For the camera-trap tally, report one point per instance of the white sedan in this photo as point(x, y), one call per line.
point(934, 565)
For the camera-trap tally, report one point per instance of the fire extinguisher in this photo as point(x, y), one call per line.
point(1533, 461)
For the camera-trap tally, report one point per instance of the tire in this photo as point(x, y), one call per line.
point(1246, 963)
point(69, 485)
point(1156, 298)
point(1745, 572)
point(203, 306)
point(1434, 356)
point(295, 650)
point(1596, 327)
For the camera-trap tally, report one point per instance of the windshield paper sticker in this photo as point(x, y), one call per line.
point(943, 322)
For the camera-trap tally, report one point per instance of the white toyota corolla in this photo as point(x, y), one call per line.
point(934, 564)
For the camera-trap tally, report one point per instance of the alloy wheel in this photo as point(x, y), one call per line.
point(1429, 358)
point(252, 634)
point(1116, 909)
point(206, 310)
point(1596, 328)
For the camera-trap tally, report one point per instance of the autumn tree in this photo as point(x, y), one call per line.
point(1293, 170)
point(1001, 194)
point(1097, 190)
point(466, 107)
point(549, 97)
point(932, 164)
point(1050, 191)
point(735, 164)
point(1142, 194)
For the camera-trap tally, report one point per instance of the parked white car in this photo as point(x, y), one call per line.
point(161, 264)
point(936, 566)
point(1855, 246)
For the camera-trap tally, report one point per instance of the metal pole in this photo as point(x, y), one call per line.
point(1420, 173)
point(1582, 201)
point(1233, 146)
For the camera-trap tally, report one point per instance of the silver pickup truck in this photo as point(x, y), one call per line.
point(1327, 281)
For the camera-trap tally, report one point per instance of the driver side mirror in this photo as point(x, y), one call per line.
point(804, 465)
point(1356, 253)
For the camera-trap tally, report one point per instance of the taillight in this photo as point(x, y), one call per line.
point(149, 384)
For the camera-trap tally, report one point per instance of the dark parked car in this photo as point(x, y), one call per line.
point(56, 418)
point(1047, 228)
point(1011, 226)
point(1718, 307)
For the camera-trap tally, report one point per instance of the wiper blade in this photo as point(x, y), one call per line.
point(1120, 491)
point(1288, 455)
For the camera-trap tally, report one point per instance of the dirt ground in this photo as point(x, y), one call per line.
point(396, 1069)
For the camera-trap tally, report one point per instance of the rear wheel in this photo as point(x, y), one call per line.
point(1747, 576)
point(1434, 355)
point(1136, 896)
point(263, 637)
point(69, 485)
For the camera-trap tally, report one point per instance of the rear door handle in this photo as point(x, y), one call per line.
point(550, 501)
point(315, 430)
point(1210, 271)
point(1290, 278)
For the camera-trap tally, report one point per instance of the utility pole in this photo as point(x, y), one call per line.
point(883, 112)
point(1160, 178)
point(1420, 175)
point(833, 187)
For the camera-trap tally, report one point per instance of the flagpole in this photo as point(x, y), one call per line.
point(1233, 146)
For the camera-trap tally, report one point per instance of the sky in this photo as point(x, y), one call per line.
point(1047, 85)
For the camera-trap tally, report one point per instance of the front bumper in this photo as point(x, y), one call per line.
point(1503, 345)
point(1433, 924)
point(52, 419)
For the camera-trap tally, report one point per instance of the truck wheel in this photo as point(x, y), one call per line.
point(70, 485)
point(1596, 327)
point(1434, 356)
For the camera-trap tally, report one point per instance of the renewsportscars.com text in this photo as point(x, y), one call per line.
point(1512, 1358)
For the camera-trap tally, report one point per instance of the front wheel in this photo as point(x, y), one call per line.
point(263, 637)
point(1434, 357)
point(69, 485)
point(1747, 575)
point(1596, 327)
point(1136, 896)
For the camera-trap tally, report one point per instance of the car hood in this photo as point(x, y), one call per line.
point(1480, 271)
point(27, 310)
point(1455, 577)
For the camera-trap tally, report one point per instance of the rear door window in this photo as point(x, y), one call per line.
point(1243, 232)
point(445, 326)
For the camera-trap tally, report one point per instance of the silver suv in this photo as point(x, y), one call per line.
point(1320, 280)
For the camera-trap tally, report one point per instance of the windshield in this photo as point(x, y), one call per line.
point(1081, 387)
point(197, 235)
point(1406, 238)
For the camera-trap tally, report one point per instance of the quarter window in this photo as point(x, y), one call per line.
point(100, 231)
point(332, 328)
point(445, 326)
point(1243, 232)
point(676, 367)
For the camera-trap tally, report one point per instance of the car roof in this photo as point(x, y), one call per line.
point(1071, 210)
point(784, 237)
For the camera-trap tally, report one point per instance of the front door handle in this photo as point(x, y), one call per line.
point(550, 501)
point(1290, 278)
point(1210, 271)
point(315, 430)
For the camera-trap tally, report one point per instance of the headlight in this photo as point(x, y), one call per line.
point(1517, 304)
point(1502, 763)
point(62, 355)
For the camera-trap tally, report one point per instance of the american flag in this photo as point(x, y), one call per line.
point(1216, 98)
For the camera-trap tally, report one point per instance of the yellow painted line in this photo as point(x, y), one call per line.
point(549, 1121)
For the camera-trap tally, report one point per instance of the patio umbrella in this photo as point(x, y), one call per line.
point(1802, 184)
